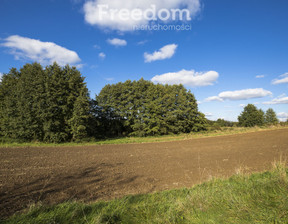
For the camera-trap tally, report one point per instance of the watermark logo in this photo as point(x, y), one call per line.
point(163, 27)
point(149, 18)
point(149, 14)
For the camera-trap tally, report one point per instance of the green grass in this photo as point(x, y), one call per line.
point(256, 198)
point(5, 143)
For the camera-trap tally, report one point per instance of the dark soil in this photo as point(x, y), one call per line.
point(51, 175)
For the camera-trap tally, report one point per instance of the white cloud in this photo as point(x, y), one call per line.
point(109, 79)
point(42, 52)
point(117, 42)
point(283, 116)
point(208, 114)
point(283, 99)
point(164, 53)
point(260, 76)
point(102, 55)
point(142, 42)
point(214, 98)
point(284, 79)
point(240, 95)
point(189, 78)
point(1, 74)
point(127, 14)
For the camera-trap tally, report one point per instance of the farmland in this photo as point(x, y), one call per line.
point(51, 175)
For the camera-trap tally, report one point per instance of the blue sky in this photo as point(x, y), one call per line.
point(232, 53)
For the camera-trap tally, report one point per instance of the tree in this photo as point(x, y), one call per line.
point(21, 93)
point(79, 120)
point(149, 109)
point(8, 100)
point(104, 122)
point(38, 104)
point(223, 123)
point(271, 117)
point(251, 116)
point(63, 87)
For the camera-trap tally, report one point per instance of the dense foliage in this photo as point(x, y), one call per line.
point(251, 116)
point(271, 117)
point(220, 123)
point(150, 109)
point(50, 104)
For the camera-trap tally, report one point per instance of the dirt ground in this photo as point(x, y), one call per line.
point(56, 174)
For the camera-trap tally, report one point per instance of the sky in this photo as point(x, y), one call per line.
point(228, 53)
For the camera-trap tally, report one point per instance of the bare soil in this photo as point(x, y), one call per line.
point(51, 175)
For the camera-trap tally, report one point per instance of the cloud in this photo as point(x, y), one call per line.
point(117, 42)
point(244, 94)
point(127, 14)
point(283, 99)
point(102, 55)
point(214, 98)
point(284, 79)
point(259, 76)
point(164, 53)
point(283, 116)
point(142, 42)
point(109, 79)
point(189, 78)
point(208, 114)
point(1, 74)
point(42, 52)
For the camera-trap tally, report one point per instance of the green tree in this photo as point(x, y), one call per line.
point(80, 118)
point(271, 117)
point(21, 93)
point(38, 104)
point(251, 116)
point(223, 123)
point(149, 109)
point(30, 102)
point(8, 100)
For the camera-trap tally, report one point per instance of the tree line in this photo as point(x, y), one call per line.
point(52, 104)
point(252, 116)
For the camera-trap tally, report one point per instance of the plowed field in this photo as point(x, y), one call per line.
point(87, 173)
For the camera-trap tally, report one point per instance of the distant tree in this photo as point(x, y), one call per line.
point(271, 117)
point(224, 123)
point(251, 116)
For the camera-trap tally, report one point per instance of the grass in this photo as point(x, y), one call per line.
point(255, 198)
point(6, 143)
